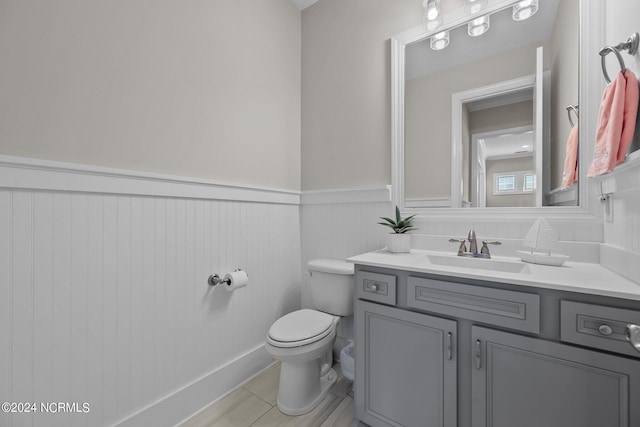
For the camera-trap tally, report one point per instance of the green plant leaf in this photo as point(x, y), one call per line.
point(405, 229)
point(400, 225)
point(387, 225)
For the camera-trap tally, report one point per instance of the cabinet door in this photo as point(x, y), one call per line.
point(405, 368)
point(528, 382)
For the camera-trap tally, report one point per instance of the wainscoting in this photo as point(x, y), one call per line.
point(104, 296)
point(340, 224)
point(621, 249)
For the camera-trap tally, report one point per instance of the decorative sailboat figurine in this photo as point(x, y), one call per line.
point(542, 244)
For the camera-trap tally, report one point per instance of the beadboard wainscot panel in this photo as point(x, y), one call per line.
point(343, 223)
point(340, 224)
point(621, 249)
point(104, 296)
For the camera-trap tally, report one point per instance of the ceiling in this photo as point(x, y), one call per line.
point(509, 145)
point(303, 4)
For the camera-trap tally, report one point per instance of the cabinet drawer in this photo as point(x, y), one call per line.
point(509, 309)
point(597, 326)
point(376, 287)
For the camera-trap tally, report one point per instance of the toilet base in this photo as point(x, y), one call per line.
point(289, 395)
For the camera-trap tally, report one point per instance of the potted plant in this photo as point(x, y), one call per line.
point(398, 241)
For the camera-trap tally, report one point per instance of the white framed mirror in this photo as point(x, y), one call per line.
point(460, 192)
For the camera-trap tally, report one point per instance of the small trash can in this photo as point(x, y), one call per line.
point(347, 362)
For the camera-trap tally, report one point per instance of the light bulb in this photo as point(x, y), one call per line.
point(440, 41)
point(431, 9)
point(524, 9)
point(478, 26)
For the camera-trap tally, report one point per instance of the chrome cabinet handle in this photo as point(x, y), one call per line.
point(605, 330)
point(449, 346)
point(373, 288)
point(632, 332)
point(478, 354)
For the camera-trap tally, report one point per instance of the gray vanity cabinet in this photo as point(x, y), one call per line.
point(407, 364)
point(527, 382)
point(442, 351)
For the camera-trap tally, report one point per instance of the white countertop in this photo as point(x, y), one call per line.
point(580, 277)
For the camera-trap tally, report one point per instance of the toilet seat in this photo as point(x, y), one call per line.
point(300, 328)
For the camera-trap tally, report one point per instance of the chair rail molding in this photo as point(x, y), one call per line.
point(36, 174)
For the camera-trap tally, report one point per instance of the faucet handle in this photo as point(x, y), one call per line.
point(463, 247)
point(485, 248)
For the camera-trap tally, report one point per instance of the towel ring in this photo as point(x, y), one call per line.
point(573, 108)
point(630, 45)
point(603, 53)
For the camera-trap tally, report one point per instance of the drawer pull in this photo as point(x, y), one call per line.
point(605, 330)
point(373, 288)
point(632, 333)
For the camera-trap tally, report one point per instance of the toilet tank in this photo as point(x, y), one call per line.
point(332, 286)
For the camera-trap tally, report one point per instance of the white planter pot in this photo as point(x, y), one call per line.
point(398, 242)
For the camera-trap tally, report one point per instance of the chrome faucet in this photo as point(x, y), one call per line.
point(473, 245)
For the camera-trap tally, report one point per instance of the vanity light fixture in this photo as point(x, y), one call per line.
point(524, 9)
point(432, 17)
point(440, 41)
point(474, 6)
point(432, 24)
point(431, 9)
point(478, 26)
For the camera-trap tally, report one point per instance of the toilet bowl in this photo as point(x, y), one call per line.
point(303, 340)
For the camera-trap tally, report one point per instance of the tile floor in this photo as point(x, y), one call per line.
point(254, 405)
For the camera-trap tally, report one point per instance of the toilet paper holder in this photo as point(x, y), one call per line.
point(215, 279)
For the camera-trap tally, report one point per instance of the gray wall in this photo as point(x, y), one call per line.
point(346, 104)
point(206, 89)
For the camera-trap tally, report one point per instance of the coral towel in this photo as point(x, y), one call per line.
point(616, 123)
point(570, 174)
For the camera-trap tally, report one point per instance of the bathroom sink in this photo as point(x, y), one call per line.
point(478, 263)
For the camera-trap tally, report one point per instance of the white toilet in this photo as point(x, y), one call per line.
point(303, 340)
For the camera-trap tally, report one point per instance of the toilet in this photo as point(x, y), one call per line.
point(303, 340)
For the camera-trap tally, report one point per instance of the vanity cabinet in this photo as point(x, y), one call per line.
point(528, 382)
point(406, 368)
point(441, 351)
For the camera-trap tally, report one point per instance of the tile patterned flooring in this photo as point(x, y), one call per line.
point(254, 405)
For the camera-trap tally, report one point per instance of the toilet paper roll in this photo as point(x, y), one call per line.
point(235, 280)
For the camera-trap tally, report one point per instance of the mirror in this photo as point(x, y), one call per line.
point(485, 119)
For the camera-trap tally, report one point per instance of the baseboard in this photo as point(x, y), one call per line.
point(187, 401)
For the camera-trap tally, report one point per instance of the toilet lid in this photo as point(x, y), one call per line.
point(301, 325)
